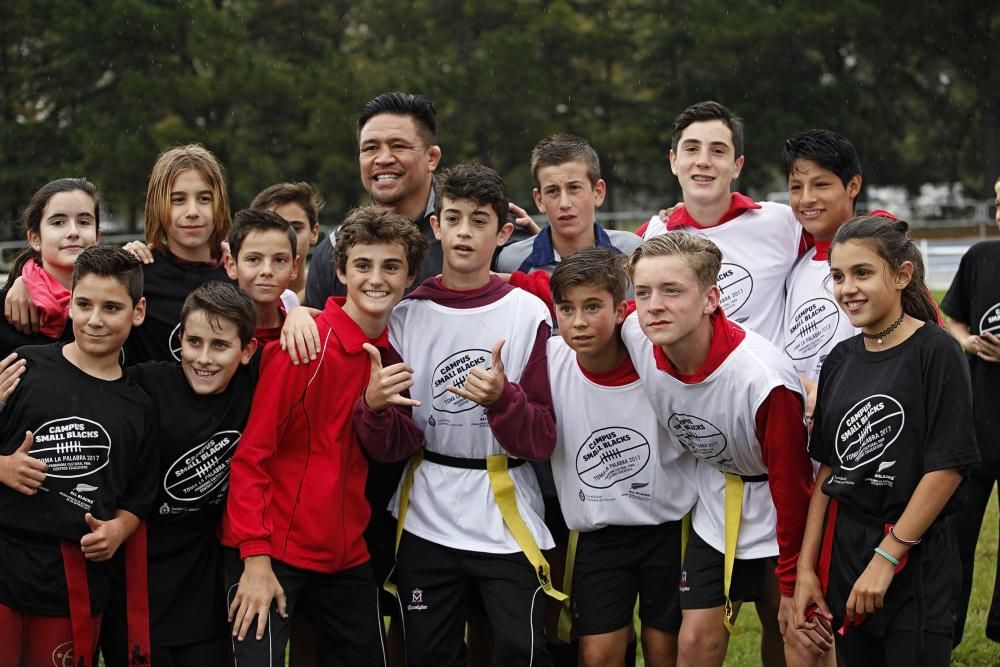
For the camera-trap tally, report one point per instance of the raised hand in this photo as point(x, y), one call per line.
point(484, 386)
point(104, 538)
point(21, 471)
point(386, 385)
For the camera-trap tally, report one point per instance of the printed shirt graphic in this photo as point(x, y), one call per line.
point(884, 419)
point(721, 434)
point(613, 463)
point(99, 441)
point(814, 323)
point(199, 436)
point(202, 433)
point(758, 248)
point(454, 506)
point(166, 283)
point(974, 299)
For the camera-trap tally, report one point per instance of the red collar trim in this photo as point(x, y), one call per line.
point(619, 376)
point(822, 251)
point(347, 331)
point(726, 337)
point(738, 205)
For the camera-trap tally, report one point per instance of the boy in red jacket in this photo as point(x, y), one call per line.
point(297, 508)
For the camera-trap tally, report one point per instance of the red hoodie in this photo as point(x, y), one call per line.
point(297, 481)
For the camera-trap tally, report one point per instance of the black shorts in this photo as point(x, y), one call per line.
point(615, 564)
point(702, 577)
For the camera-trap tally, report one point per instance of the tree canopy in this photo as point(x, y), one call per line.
point(273, 87)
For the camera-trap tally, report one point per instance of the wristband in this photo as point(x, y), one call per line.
point(909, 543)
point(886, 556)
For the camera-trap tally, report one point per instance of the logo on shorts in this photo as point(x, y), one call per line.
point(683, 586)
point(62, 655)
point(416, 600)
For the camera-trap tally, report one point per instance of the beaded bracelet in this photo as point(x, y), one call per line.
point(909, 543)
point(886, 555)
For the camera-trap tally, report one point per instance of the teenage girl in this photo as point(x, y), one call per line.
point(60, 221)
point(893, 432)
point(187, 218)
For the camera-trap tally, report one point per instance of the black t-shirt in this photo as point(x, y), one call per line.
point(884, 419)
point(974, 299)
point(98, 440)
point(199, 435)
point(11, 338)
point(167, 282)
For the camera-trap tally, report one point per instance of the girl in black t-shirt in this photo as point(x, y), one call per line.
point(893, 434)
point(187, 218)
point(61, 220)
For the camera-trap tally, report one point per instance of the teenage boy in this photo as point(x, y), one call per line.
point(972, 305)
point(78, 473)
point(824, 180)
point(568, 190)
point(296, 509)
point(735, 402)
point(759, 241)
point(299, 204)
point(212, 388)
point(469, 512)
point(263, 257)
point(624, 484)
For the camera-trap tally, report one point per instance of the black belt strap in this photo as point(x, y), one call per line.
point(468, 464)
point(754, 478)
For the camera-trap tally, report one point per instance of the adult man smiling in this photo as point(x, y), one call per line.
point(397, 156)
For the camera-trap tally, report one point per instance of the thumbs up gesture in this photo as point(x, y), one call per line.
point(484, 386)
point(21, 471)
point(103, 539)
point(386, 385)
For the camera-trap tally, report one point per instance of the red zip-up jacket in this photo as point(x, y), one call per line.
point(297, 480)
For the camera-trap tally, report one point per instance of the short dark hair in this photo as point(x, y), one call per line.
point(827, 149)
point(301, 193)
point(254, 220)
point(477, 183)
point(561, 148)
point(222, 301)
point(368, 225)
point(108, 261)
point(419, 107)
point(601, 267)
point(707, 111)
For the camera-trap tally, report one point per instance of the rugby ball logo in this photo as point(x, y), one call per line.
point(868, 429)
point(701, 438)
point(72, 447)
point(611, 455)
point(174, 342)
point(990, 321)
point(736, 285)
point(813, 325)
point(202, 469)
point(452, 372)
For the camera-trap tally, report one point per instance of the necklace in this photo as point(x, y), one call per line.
point(880, 336)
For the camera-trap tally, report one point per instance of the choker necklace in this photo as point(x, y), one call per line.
point(880, 336)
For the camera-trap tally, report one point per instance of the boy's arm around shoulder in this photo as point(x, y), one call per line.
point(523, 419)
point(280, 387)
point(383, 420)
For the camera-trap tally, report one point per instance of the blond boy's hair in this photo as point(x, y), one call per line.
point(703, 256)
